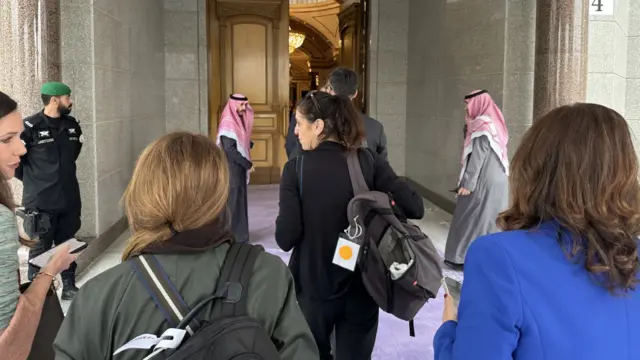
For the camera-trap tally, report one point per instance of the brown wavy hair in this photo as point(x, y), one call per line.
point(577, 165)
point(181, 179)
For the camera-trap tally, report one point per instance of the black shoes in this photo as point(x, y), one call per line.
point(69, 289)
point(454, 266)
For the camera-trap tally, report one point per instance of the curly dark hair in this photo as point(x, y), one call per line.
point(577, 165)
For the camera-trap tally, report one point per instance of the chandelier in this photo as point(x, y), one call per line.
point(295, 40)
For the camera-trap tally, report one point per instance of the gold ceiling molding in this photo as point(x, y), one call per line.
point(299, 54)
point(314, 7)
point(323, 17)
point(316, 45)
point(346, 3)
point(309, 2)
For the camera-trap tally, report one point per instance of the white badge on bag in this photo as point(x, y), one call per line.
point(170, 339)
point(346, 254)
point(144, 341)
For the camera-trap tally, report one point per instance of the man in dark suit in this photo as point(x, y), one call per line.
point(343, 81)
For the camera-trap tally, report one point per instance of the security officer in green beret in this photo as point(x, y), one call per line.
point(53, 140)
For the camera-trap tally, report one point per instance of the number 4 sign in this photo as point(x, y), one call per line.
point(601, 7)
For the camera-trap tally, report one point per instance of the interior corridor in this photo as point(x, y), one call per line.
point(393, 341)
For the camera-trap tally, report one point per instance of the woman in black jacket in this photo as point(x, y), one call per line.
point(314, 193)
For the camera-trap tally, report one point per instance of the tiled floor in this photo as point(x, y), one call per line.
point(109, 259)
point(435, 224)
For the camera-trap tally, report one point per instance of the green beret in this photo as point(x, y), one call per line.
point(55, 88)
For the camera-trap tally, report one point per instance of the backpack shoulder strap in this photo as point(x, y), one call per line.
point(355, 173)
point(237, 269)
point(151, 274)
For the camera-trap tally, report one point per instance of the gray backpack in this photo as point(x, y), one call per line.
point(400, 267)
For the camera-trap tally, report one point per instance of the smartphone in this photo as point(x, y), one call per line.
point(41, 260)
point(452, 287)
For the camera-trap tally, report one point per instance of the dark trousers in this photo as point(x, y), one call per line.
point(354, 316)
point(64, 226)
point(239, 209)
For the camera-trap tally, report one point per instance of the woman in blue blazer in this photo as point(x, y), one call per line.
point(560, 282)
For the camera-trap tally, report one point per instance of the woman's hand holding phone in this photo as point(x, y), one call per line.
point(60, 260)
point(450, 312)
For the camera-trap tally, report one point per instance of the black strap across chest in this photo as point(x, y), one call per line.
point(230, 297)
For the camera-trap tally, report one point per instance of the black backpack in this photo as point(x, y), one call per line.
point(400, 267)
point(231, 333)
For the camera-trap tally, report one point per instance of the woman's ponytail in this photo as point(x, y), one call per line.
point(348, 123)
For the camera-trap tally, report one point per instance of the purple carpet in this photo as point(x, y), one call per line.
point(393, 341)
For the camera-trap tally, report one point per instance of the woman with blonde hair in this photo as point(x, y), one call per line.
point(19, 314)
point(176, 207)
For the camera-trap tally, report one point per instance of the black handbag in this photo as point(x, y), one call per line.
point(50, 322)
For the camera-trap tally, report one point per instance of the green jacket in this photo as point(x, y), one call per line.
point(114, 307)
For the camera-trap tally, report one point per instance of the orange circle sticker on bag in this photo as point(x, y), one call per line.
point(346, 252)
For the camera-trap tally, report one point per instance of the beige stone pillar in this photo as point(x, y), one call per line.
point(29, 53)
point(561, 54)
point(29, 49)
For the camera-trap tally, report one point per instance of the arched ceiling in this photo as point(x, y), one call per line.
point(322, 15)
point(299, 70)
point(298, 53)
point(299, 63)
point(315, 45)
point(300, 57)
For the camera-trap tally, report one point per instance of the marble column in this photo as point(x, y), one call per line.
point(29, 53)
point(561, 54)
point(29, 49)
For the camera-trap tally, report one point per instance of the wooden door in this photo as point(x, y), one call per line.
point(248, 53)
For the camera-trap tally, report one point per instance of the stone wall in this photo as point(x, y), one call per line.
point(454, 49)
point(113, 59)
point(388, 54)
point(607, 77)
point(186, 75)
point(632, 101)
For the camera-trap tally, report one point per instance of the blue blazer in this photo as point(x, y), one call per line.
point(523, 299)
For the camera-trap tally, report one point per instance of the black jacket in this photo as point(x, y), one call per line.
point(48, 169)
point(313, 212)
point(375, 137)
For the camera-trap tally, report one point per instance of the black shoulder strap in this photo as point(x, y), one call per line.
point(237, 269)
point(162, 291)
point(355, 173)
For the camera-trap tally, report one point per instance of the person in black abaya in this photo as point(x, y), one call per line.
point(234, 136)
